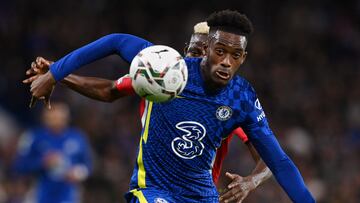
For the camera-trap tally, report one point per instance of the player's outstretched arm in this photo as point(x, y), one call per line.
point(269, 149)
point(95, 88)
point(92, 87)
point(282, 167)
point(126, 46)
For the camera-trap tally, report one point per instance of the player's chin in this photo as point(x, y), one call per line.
point(220, 82)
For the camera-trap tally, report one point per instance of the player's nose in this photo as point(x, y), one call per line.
point(226, 63)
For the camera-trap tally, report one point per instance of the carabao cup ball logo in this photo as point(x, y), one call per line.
point(223, 113)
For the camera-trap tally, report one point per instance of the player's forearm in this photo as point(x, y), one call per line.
point(127, 46)
point(94, 88)
point(289, 177)
point(253, 152)
point(261, 173)
point(284, 170)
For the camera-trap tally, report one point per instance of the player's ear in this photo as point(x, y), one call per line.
point(186, 48)
point(205, 48)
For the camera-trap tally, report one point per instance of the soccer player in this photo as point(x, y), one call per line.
point(106, 90)
point(57, 155)
point(195, 48)
point(169, 166)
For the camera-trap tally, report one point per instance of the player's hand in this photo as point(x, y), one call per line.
point(52, 159)
point(38, 67)
point(238, 189)
point(41, 88)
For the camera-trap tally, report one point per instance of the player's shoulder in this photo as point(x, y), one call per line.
point(241, 84)
point(239, 93)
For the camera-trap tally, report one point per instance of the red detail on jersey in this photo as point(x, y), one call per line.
point(142, 107)
point(223, 150)
point(241, 134)
point(124, 86)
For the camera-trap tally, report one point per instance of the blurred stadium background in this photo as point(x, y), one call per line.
point(304, 61)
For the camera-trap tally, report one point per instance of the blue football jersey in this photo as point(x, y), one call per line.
point(180, 137)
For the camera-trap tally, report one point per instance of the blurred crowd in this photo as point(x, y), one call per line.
point(303, 60)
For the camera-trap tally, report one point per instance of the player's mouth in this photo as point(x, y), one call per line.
point(222, 75)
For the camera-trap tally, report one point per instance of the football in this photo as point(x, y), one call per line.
point(158, 73)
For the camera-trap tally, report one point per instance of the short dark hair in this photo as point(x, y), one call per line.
point(230, 21)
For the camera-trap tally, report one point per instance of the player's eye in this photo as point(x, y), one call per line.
point(236, 55)
point(219, 51)
point(195, 53)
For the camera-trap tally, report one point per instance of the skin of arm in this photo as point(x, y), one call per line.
point(261, 172)
point(95, 88)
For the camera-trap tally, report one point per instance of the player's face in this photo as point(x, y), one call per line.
point(57, 118)
point(225, 54)
point(196, 46)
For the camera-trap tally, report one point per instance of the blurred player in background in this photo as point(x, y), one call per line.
point(57, 155)
point(108, 91)
point(173, 174)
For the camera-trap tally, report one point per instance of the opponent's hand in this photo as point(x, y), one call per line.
point(238, 189)
point(41, 88)
point(38, 67)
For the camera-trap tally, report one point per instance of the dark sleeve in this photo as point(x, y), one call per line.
point(263, 139)
point(125, 45)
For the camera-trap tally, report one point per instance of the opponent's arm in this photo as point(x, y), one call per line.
point(95, 88)
point(126, 46)
point(92, 87)
point(261, 172)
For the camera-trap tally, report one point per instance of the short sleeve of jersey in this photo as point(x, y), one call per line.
point(241, 134)
point(123, 85)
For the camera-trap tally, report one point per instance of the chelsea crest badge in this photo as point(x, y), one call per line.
point(223, 113)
